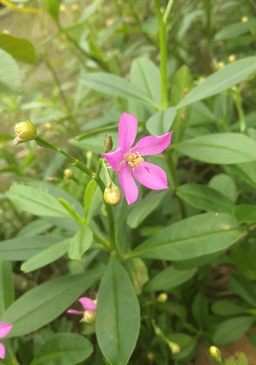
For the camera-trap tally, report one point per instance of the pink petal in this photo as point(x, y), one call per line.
point(2, 351)
point(4, 329)
point(87, 303)
point(114, 158)
point(96, 295)
point(128, 184)
point(151, 176)
point(73, 311)
point(127, 130)
point(152, 145)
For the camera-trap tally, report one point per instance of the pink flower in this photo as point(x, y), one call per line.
point(4, 330)
point(129, 160)
point(89, 305)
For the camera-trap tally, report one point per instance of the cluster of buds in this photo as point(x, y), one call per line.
point(25, 132)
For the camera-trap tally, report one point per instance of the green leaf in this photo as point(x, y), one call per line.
point(46, 256)
point(239, 359)
point(200, 310)
point(235, 30)
point(161, 122)
point(221, 80)
point(193, 237)
point(71, 210)
point(169, 278)
point(197, 262)
point(22, 248)
point(10, 79)
point(245, 214)
point(247, 172)
point(53, 8)
point(143, 208)
point(232, 329)
point(244, 258)
point(19, 48)
point(252, 338)
point(44, 303)
point(227, 308)
point(225, 185)
point(115, 85)
point(7, 295)
point(5, 138)
point(65, 348)
point(146, 76)
point(243, 287)
point(205, 198)
point(219, 148)
point(35, 227)
point(88, 194)
point(118, 314)
point(200, 114)
point(36, 201)
point(80, 243)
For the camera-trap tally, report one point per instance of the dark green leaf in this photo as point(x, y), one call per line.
point(232, 329)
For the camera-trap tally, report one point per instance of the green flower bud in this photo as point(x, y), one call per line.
point(89, 317)
point(215, 353)
point(68, 174)
point(162, 298)
point(25, 132)
point(108, 143)
point(112, 195)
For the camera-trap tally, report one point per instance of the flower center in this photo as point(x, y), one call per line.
point(133, 159)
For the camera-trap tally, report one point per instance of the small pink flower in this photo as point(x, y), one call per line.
point(4, 330)
point(90, 308)
point(129, 160)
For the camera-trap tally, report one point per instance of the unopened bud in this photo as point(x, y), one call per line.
point(108, 143)
point(174, 347)
point(244, 19)
point(150, 356)
point(68, 174)
point(25, 132)
point(74, 7)
point(5, 31)
point(112, 195)
point(53, 179)
point(48, 126)
point(89, 317)
point(215, 353)
point(162, 298)
point(62, 8)
point(232, 58)
point(220, 65)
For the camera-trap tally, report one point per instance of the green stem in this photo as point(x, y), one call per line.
point(41, 142)
point(167, 11)
point(175, 180)
point(163, 54)
point(238, 101)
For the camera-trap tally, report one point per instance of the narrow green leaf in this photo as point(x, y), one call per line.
point(36, 201)
point(10, 79)
point(193, 237)
point(118, 315)
point(80, 243)
point(66, 348)
point(227, 308)
point(53, 8)
point(71, 210)
point(232, 329)
point(169, 278)
point(161, 122)
point(5, 137)
point(19, 48)
point(219, 148)
point(143, 208)
point(35, 227)
point(235, 30)
point(7, 295)
point(88, 194)
point(46, 256)
point(44, 303)
point(200, 310)
point(243, 287)
point(221, 80)
point(115, 85)
point(205, 198)
point(22, 248)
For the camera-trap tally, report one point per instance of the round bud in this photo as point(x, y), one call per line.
point(244, 19)
point(112, 195)
point(231, 58)
point(68, 174)
point(25, 132)
point(89, 317)
point(162, 298)
point(108, 143)
point(215, 353)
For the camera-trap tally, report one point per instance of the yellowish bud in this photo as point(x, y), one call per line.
point(112, 195)
point(68, 174)
point(232, 58)
point(89, 317)
point(215, 353)
point(5, 31)
point(74, 7)
point(62, 8)
point(89, 155)
point(174, 347)
point(48, 126)
point(162, 298)
point(244, 19)
point(220, 65)
point(25, 132)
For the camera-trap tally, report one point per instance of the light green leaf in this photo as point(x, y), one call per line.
point(36, 201)
point(88, 195)
point(46, 256)
point(225, 185)
point(10, 79)
point(22, 248)
point(200, 114)
point(195, 236)
point(245, 214)
point(53, 8)
point(227, 308)
point(232, 329)
point(221, 80)
point(143, 208)
point(169, 278)
point(161, 122)
point(115, 85)
point(235, 30)
point(219, 148)
point(7, 295)
point(205, 198)
point(247, 172)
point(44, 303)
point(243, 287)
point(80, 243)
point(65, 348)
point(19, 48)
point(35, 227)
point(118, 315)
